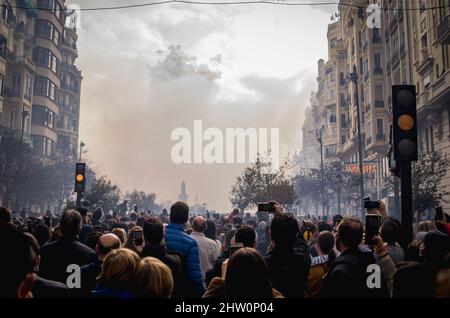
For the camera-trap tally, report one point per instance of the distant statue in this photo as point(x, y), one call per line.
point(183, 197)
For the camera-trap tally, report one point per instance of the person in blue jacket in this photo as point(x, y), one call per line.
point(180, 243)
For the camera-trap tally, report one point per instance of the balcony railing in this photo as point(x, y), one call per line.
point(367, 108)
point(379, 103)
point(378, 71)
point(443, 31)
point(369, 141)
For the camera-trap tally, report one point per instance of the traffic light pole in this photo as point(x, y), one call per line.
point(79, 196)
point(406, 199)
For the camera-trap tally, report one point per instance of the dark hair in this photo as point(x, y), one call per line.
point(140, 221)
point(133, 216)
point(92, 239)
point(70, 224)
point(42, 234)
point(199, 224)
point(284, 230)
point(326, 243)
point(245, 235)
point(153, 231)
point(350, 231)
point(247, 275)
point(210, 231)
point(179, 213)
point(324, 226)
point(97, 215)
point(83, 211)
point(390, 230)
point(337, 219)
point(5, 215)
point(229, 236)
point(16, 261)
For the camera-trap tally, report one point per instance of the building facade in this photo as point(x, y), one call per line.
point(40, 84)
point(411, 47)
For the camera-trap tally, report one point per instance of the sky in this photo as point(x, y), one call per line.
point(148, 71)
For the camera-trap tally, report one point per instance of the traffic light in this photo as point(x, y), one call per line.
point(80, 177)
point(404, 123)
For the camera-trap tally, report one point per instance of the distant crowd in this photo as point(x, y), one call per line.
point(87, 253)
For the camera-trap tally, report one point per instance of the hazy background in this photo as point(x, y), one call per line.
point(150, 70)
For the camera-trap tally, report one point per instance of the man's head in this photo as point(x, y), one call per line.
point(107, 243)
point(70, 224)
point(245, 235)
point(390, 230)
point(153, 231)
point(349, 233)
point(5, 216)
point(199, 224)
point(284, 230)
point(16, 263)
point(337, 219)
point(179, 213)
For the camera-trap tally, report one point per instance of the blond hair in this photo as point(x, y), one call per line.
point(154, 278)
point(119, 268)
point(121, 234)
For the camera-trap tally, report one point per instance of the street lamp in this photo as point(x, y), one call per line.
point(354, 78)
point(81, 149)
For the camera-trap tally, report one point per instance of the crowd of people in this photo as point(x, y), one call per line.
point(93, 254)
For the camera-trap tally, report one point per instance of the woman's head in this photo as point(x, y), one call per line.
point(390, 230)
point(247, 275)
point(426, 226)
point(130, 240)
point(119, 268)
point(154, 279)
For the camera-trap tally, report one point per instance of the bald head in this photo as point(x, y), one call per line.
point(199, 224)
point(107, 243)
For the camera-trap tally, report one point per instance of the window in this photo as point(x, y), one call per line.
point(380, 129)
point(47, 30)
point(1, 84)
point(377, 63)
point(52, 5)
point(379, 100)
point(431, 139)
point(28, 86)
point(42, 116)
point(424, 41)
point(16, 84)
point(45, 87)
point(12, 119)
point(45, 58)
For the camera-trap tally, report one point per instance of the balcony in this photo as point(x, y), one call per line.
point(376, 40)
point(21, 30)
point(369, 141)
point(379, 103)
point(70, 68)
point(425, 63)
point(377, 71)
point(443, 32)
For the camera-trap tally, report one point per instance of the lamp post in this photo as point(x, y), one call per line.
point(354, 78)
point(81, 149)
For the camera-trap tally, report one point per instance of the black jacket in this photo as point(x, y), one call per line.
point(89, 274)
point(216, 271)
point(57, 256)
point(159, 251)
point(347, 275)
point(415, 280)
point(44, 288)
point(289, 268)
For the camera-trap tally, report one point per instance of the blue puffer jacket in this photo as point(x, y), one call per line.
point(181, 243)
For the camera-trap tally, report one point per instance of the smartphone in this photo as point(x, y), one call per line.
point(138, 238)
point(372, 226)
point(234, 247)
point(371, 205)
point(266, 207)
point(439, 214)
